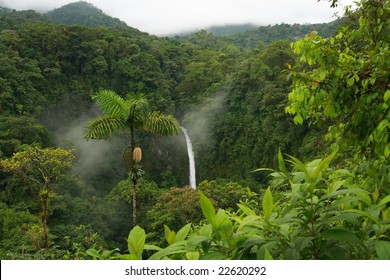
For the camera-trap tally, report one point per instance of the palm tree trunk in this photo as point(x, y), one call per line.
point(132, 140)
point(134, 204)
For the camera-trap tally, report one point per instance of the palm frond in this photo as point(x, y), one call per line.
point(161, 124)
point(111, 104)
point(137, 104)
point(103, 127)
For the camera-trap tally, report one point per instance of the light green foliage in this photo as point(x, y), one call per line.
point(344, 82)
point(323, 214)
point(136, 242)
point(130, 113)
point(42, 169)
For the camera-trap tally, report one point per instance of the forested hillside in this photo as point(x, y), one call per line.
point(310, 109)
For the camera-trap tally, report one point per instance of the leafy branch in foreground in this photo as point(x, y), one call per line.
point(320, 213)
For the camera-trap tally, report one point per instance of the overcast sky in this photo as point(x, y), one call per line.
point(163, 17)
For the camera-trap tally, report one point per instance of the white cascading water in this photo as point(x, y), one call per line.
point(191, 159)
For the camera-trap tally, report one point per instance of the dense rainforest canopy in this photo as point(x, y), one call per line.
point(290, 126)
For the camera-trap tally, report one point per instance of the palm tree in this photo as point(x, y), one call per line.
point(132, 113)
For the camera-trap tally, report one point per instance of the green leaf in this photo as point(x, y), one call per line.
point(386, 96)
point(384, 200)
point(382, 249)
point(175, 248)
point(183, 232)
point(169, 235)
point(351, 81)
point(127, 257)
point(192, 256)
point(224, 226)
point(93, 253)
point(321, 167)
point(136, 241)
point(246, 210)
point(152, 247)
point(267, 255)
point(341, 234)
point(298, 119)
point(268, 203)
point(213, 256)
point(282, 165)
point(207, 209)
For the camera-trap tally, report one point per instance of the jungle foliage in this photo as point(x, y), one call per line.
point(291, 139)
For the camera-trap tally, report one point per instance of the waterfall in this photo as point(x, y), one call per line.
point(191, 158)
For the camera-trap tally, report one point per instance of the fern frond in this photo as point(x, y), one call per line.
point(103, 127)
point(111, 104)
point(161, 124)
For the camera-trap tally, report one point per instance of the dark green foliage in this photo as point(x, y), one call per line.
point(19, 132)
point(83, 13)
point(11, 19)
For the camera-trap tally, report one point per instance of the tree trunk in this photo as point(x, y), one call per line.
point(134, 204)
point(132, 140)
point(44, 215)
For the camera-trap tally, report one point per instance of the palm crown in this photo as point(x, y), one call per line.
point(132, 113)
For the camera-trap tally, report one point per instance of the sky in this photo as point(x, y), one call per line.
point(164, 17)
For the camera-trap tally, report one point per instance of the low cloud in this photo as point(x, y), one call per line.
point(93, 156)
point(199, 120)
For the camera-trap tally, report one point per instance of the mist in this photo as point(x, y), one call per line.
point(93, 156)
point(166, 17)
point(199, 120)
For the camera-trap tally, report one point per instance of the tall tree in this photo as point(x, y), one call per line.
point(130, 113)
point(41, 170)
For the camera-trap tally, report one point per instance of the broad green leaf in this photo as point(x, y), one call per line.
point(267, 255)
point(213, 256)
point(364, 214)
point(246, 210)
point(127, 257)
point(302, 242)
point(169, 235)
point(136, 241)
point(343, 192)
point(192, 256)
point(341, 234)
point(267, 203)
point(386, 96)
point(224, 226)
point(93, 253)
point(207, 209)
point(197, 239)
point(321, 167)
point(298, 119)
point(382, 249)
point(282, 165)
point(182, 233)
point(387, 151)
point(152, 247)
point(384, 200)
point(175, 248)
point(334, 186)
